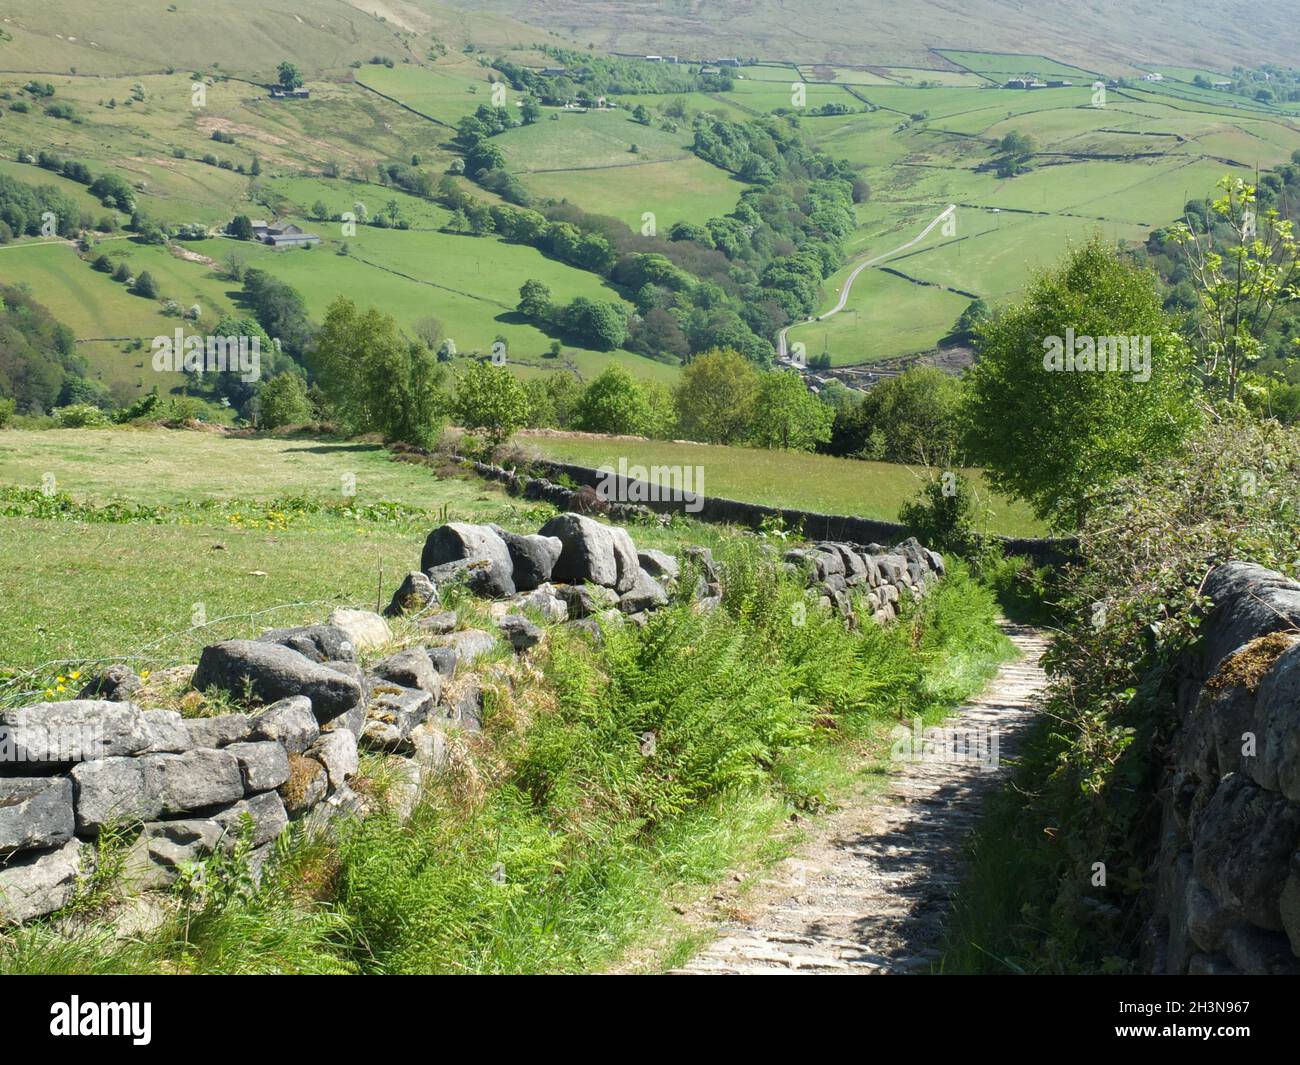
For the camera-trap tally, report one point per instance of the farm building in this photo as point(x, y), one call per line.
point(283, 236)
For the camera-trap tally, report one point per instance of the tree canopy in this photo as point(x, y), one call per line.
point(1046, 423)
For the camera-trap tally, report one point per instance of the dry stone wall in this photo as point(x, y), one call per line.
point(719, 510)
point(180, 788)
point(1227, 876)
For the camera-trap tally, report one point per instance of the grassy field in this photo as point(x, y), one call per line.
point(586, 159)
point(470, 284)
point(761, 715)
point(245, 36)
point(841, 75)
point(688, 191)
point(885, 316)
point(999, 63)
point(248, 569)
point(105, 315)
point(218, 548)
point(1120, 170)
point(260, 531)
point(915, 75)
point(819, 483)
point(583, 140)
point(446, 95)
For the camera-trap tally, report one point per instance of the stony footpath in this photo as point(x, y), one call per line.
point(869, 891)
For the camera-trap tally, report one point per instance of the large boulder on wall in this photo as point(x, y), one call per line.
point(532, 558)
point(461, 542)
point(272, 672)
point(590, 551)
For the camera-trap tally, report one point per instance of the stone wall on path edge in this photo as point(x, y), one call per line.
point(1226, 880)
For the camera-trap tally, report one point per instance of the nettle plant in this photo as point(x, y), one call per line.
point(1134, 607)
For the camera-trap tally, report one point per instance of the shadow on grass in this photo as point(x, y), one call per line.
point(326, 449)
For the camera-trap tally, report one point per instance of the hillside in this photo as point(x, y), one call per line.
point(379, 136)
point(1115, 36)
point(238, 36)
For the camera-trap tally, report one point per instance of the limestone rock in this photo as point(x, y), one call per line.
point(264, 765)
point(460, 542)
point(532, 558)
point(444, 660)
point(117, 683)
point(366, 629)
point(463, 703)
point(154, 860)
point(354, 717)
point(35, 812)
point(1250, 601)
point(113, 789)
point(411, 669)
point(1243, 841)
point(272, 672)
point(520, 632)
point(394, 711)
point(193, 780)
point(77, 730)
point(337, 752)
point(168, 731)
point(546, 600)
point(217, 731)
point(290, 722)
point(439, 624)
point(591, 551)
point(470, 644)
point(1289, 904)
point(585, 600)
point(415, 593)
point(307, 785)
point(266, 811)
point(320, 643)
point(35, 883)
point(1277, 714)
point(646, 594)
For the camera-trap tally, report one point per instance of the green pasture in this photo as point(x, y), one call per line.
point(820, 483)
point(690, 190)
point(885, 316)
point(1015, 62)
point(589, 139)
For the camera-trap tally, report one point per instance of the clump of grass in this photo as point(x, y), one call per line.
point(303, 772)
point(1247, 667)
point(567, 852)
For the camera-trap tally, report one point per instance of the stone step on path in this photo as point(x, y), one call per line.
point(869, 892)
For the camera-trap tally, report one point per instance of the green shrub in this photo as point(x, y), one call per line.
point(80, 416)
point(943, 515)
point(1092, 771)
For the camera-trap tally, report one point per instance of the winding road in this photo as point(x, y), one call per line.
point(847, 287)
